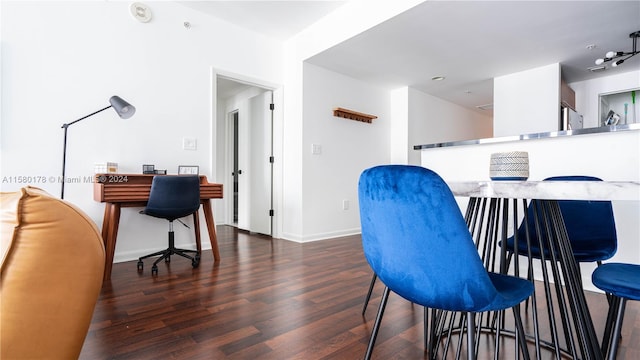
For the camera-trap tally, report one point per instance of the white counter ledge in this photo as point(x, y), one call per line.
point(543, 135)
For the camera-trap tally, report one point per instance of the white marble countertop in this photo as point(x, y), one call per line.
point(549, 190)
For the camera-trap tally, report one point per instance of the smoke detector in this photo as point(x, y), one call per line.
point(140, 12)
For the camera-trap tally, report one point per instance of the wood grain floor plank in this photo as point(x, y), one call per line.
point(272, 299)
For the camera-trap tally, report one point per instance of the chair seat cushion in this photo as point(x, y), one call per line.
point(587, 250)
point(511, 291)
point(622, 280)
point(590, 226)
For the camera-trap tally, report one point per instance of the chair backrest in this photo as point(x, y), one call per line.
point(416, 240)
point(590, 224)
point(51, 275)
point(173, 196)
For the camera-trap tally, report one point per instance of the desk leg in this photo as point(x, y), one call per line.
point(109, 235)
point(211, 227)
point(196, 226)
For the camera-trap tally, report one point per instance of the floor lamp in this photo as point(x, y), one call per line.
point(124, 110)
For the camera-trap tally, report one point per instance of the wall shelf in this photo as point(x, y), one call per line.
point(353, 115)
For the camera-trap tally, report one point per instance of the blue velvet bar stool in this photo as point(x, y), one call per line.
point(416, 241)
point(590, 227)
point(622, 282)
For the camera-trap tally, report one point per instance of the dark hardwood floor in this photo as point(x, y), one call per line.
point(270, 299)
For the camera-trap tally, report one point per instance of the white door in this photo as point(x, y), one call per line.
point(260, 176)
point(254, 166)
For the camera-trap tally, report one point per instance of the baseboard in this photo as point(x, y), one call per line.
point(134, 255)
point(321, 236)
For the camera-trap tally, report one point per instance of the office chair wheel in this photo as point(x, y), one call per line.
point(154, 270)
point(167, 259)
point(195, 262)
point(140, 265)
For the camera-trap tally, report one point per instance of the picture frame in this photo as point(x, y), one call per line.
point(148, 169)
point(188, 170)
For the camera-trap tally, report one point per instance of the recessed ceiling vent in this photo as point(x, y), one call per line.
point(597, 68)
point(485, 107)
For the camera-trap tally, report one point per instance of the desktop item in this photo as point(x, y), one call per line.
point(148, 169)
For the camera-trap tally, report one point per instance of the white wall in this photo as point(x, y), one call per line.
point(588, 91)
point(348, 147)
point(406, 117)
point(399, 131)
point(527, 102)
point(63, 60)
point(433, 120)
point(346, 22)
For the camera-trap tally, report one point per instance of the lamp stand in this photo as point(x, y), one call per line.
point(64, 148)
point(122, 108)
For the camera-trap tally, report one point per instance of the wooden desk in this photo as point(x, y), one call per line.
point(132, 190)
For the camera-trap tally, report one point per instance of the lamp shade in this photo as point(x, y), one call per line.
point(123, 108)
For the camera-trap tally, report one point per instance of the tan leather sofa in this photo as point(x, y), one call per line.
point(51, 273)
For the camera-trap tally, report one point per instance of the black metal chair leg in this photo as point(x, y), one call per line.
point(376, 326)
point(426, 329)
point(520, 336)
point(161, 252)
point(615, 338)
point(608, 327)
point(471, 330)
point(366, 300)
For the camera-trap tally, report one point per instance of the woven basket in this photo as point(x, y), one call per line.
point(512, 165)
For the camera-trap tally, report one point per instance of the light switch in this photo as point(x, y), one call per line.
point(189, 144)
point(345, 204)
point(316, 149)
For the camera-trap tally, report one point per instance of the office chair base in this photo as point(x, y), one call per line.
point(166, 254)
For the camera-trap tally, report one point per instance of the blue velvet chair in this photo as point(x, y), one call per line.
point(622, 282)
point(417, 243)
point(590, 226)
point(171, 198)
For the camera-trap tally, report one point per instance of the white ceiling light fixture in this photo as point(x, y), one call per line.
point(140, 12)
point(621, 56)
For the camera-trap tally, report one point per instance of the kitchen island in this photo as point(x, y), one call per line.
point(608, 152)
point(611, 153)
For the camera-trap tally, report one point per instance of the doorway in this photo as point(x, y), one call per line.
point(249, 155)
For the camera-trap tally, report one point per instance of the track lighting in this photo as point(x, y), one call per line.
point(616, 55)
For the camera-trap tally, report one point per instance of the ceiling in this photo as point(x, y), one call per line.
point(467, 42)
point(277, 19)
